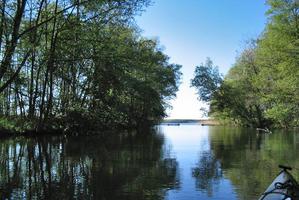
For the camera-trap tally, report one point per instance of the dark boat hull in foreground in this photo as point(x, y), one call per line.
point(284, 187)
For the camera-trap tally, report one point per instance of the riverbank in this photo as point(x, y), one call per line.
point(17, 126)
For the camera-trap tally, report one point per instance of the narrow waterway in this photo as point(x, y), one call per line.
point(183, 162)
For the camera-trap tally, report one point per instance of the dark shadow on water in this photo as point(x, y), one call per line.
point(110, 166)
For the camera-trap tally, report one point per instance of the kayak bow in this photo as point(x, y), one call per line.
point(283, 187)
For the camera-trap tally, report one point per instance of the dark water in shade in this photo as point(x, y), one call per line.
point(172, 162)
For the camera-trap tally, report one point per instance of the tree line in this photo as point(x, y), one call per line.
point(262, 87)
point(80, 63)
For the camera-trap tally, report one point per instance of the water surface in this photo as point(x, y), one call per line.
point(171, 162)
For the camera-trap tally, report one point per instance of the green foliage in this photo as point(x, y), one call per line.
point(15, 124)
point(207, 80)
point(281, 114)
point(261, 89)
point(84, 65)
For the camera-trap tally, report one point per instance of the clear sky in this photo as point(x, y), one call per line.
point(192, 30)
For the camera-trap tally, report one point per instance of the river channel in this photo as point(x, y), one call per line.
point(186, 162)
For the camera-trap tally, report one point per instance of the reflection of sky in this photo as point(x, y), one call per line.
point(188, 142)
point(191, 30)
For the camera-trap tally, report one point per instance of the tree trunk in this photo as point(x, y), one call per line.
point(3, 5)
point(11, 46)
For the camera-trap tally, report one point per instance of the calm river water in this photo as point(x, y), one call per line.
point(171, 162)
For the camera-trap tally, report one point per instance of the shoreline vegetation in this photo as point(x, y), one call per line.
point(261, 88)
point(83, 66)
point(79, 66)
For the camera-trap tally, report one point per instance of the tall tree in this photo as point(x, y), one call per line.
point(261, 89)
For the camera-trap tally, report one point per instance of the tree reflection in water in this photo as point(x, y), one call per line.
point(117, 166)
point(248, 160)
point(207, 172)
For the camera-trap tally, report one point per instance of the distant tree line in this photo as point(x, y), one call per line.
point(80, 63)
point(262, 88)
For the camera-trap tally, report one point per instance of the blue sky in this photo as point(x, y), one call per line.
point(192, 30)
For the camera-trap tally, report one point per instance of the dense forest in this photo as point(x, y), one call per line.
point(262, 87)
point(75, 64)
